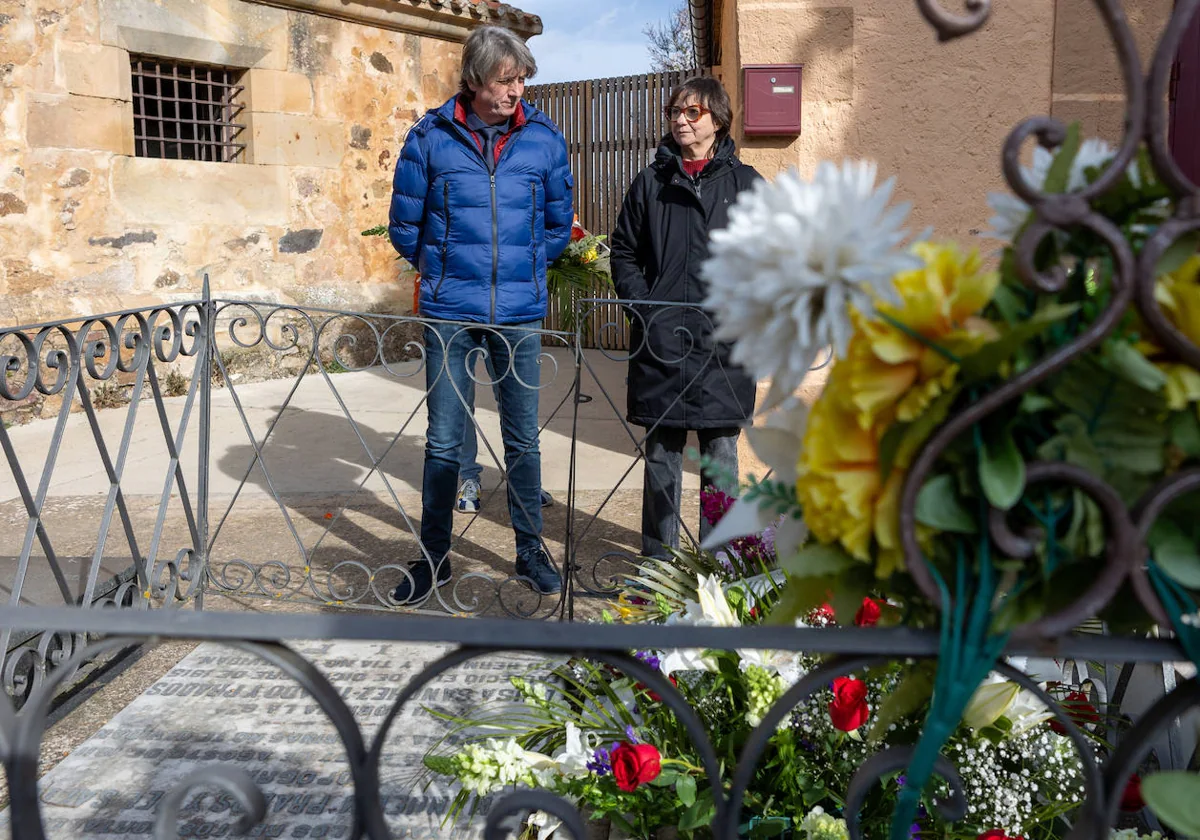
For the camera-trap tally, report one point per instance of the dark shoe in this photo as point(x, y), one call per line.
point(547, 499)
point(539, 572)
point(417, 590)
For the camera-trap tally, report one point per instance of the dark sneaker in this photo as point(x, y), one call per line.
point(468, 497)
point(547, 499)
point(539, 572)
point(417, 590)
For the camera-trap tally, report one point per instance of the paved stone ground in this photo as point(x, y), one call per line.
point(225, 707)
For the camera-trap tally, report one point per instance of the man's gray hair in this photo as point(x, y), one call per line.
point(487, 50)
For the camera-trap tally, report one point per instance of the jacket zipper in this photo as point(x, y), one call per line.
point(495, 245)
point(533, 239)
point(445, 239)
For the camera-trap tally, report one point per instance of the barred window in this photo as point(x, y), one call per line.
point(186, 111)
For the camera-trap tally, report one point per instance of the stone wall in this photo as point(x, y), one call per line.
point(86, 227)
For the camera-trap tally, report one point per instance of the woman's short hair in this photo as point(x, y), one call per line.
point(712, 96)
point(488, 49)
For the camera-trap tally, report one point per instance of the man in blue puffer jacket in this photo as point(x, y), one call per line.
point(481, 203)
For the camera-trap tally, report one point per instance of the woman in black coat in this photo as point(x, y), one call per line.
point(679, 378)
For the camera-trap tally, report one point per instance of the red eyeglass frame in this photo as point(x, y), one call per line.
point(667, 112)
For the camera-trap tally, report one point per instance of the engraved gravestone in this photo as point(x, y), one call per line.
point(225, 707)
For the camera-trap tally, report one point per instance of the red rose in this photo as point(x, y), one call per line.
point(868, 614)
point(1078, 709)
point(1131, 799)
point(996, 834)
point(635, 764)
point(577, 233)
point(849, 710)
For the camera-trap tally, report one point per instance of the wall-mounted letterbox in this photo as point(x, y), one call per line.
point(772, 99)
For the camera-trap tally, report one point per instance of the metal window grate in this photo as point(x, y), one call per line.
point(186, 111)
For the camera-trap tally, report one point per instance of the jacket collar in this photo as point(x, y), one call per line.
point(670, 157)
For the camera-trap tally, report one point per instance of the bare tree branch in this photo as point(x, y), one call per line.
point(670, 41)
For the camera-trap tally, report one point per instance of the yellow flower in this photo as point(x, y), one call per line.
point(591, 256)
point(897, 362)
point(911, 348)
point(1178, 295)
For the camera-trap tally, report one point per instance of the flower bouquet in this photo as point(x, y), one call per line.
point(984, 433)
point(582, 270)
point(604, 738)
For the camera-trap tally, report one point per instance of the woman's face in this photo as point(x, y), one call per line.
point(695, 134)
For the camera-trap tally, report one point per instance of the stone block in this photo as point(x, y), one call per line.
point(273, 91)
point(80, 122)
point(232, 33)
point(288, 140)
point(94, 70)
point(156, 192)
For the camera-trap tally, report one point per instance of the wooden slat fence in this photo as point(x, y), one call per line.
point(613, 127)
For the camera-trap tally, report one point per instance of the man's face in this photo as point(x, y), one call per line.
point(497, 100)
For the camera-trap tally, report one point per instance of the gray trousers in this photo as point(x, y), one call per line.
point(663, 482)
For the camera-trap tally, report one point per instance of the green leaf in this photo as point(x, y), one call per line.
point(1185, 432)
point(939, 506)
point(816, 560)
point(889, 445)
point(1001, 470)
point(699, 814)
point(919, 430)
point(913, 691)
point(1059, 175)
point(666, 778)
point(1132, 366)
point(1174, 798)
point(1175, 553)
point(1180, 251)
point(685, 789)
point(986, 361)
point(378, 230)
point(1009, 302)
point(1032, 403)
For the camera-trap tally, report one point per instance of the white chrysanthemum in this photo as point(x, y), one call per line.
point(795, 257)
point(1011, 212)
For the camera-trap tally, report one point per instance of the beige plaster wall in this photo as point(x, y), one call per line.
point(86, 227)
point(1088, 87)
point(878, 85)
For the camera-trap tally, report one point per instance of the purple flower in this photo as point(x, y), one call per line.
point(647, 658)
point(631, 735)
point(601, 763)
point(900, 780)
point(714, 503)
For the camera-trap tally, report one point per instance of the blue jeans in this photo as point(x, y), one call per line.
point(468, 458)
point(450, 352)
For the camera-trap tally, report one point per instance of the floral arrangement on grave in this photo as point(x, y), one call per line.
point(983, 434)
point(581, 271)
point(605, 739)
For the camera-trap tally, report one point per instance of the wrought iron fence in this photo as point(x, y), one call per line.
point(55, 360)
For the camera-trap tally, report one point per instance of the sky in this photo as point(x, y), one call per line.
point(591, 39)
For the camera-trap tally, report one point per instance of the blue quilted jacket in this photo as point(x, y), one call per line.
point(482, 242)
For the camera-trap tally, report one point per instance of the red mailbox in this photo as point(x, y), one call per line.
point(772, 100)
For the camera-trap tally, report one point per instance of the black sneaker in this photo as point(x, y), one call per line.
point(547, 499)
point(417, 590)
point(539, 572)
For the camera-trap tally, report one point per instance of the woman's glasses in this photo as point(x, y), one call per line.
point(691, 113)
